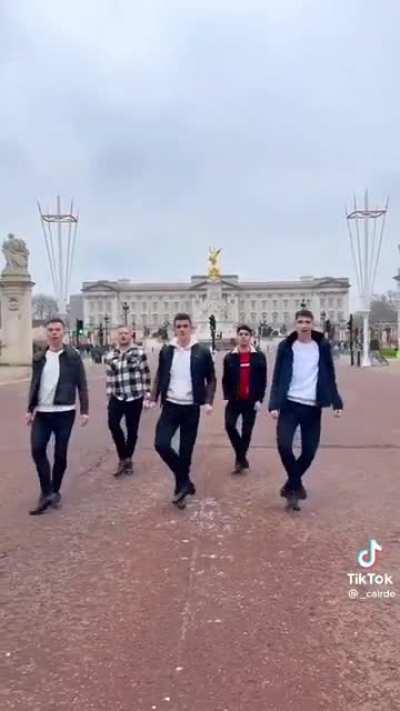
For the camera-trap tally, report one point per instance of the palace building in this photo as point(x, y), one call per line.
point(149, 306)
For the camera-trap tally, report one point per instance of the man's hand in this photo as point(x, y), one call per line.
point(149, 404)
point(274, 414)
point(337, 413)
point(84, 420)
point(29, 417)
point(208, 409)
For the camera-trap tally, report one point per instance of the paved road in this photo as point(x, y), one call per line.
point(120, 602)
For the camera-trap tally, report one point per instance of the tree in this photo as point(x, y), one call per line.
point(43, 307)
point(383, 309)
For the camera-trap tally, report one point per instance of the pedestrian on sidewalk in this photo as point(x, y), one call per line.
point(303, 383)
point(185, 381)
point(244, 381)
point(128, 386)
point(57, 374)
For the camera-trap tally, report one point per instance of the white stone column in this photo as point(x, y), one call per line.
point(16, 318)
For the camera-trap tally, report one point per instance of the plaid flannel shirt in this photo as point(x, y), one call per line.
point(128, 374)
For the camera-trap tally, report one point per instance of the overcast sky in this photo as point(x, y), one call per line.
point(176, 125)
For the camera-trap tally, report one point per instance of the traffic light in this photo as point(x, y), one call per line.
point(349, 324)
point(213, 323)
point(327, 326)
point(79, 327)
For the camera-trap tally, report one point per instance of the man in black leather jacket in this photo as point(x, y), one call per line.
point(57, 375)
point(185, 381)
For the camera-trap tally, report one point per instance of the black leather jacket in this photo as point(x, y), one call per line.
point(202, 371)
point(72, 378)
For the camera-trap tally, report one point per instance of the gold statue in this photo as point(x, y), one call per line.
point(214, 271)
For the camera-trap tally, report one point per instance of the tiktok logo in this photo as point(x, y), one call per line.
point(367, 556)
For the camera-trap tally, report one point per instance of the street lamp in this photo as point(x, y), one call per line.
point(397, 279)
point(213, 328)
point(125, 309)
point(106, 322)
point(322, 320)
point(366, 246)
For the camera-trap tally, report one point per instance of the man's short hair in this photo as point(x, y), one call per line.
point(55, 319)
point(244, 327)
point(305, 313)
point(182, 317)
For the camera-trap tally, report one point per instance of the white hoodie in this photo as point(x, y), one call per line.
point(180, 385)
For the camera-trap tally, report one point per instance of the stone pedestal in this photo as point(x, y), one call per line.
point(16, 318)
point(218, 304)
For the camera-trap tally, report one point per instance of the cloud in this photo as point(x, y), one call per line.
point(175, 126)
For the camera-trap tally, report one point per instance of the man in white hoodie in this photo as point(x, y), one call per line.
point(185, 381)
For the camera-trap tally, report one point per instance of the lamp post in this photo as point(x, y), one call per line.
point(397, 280)
point(213, 327)
point(106, 322)
point(101, 334)
point(322, 320)
point(366, 245)
point(125, 309)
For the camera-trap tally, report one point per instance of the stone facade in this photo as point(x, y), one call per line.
point(229, 299)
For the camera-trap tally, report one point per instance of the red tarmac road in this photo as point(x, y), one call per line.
point(120, 602)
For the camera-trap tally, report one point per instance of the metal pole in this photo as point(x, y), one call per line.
point(366, 361)
point(366, 256)
point(60, 257)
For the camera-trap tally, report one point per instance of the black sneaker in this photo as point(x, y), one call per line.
point(128, 467)
point(55, 500)
point(41, 506)
point(245, 464)
point(120, 469)
point(285, 490)
point(180, 495)
point(293, 501)
point(191, 486)
point(237, 469)
point(301, 492)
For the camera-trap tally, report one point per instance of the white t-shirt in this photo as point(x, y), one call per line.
point(303, 386)
point(48, 384)
point(180, 384)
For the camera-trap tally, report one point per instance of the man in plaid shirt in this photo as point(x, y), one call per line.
point(128, 385)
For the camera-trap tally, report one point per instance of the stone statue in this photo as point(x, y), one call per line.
point(16, 255)
point(214, 271)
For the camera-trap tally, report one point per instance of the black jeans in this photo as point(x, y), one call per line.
point(186, 417)
point(44, 425)
point(240, 442)
point(131, 410)
point(291, 415)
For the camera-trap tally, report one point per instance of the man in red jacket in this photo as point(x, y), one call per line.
point(244, 382)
